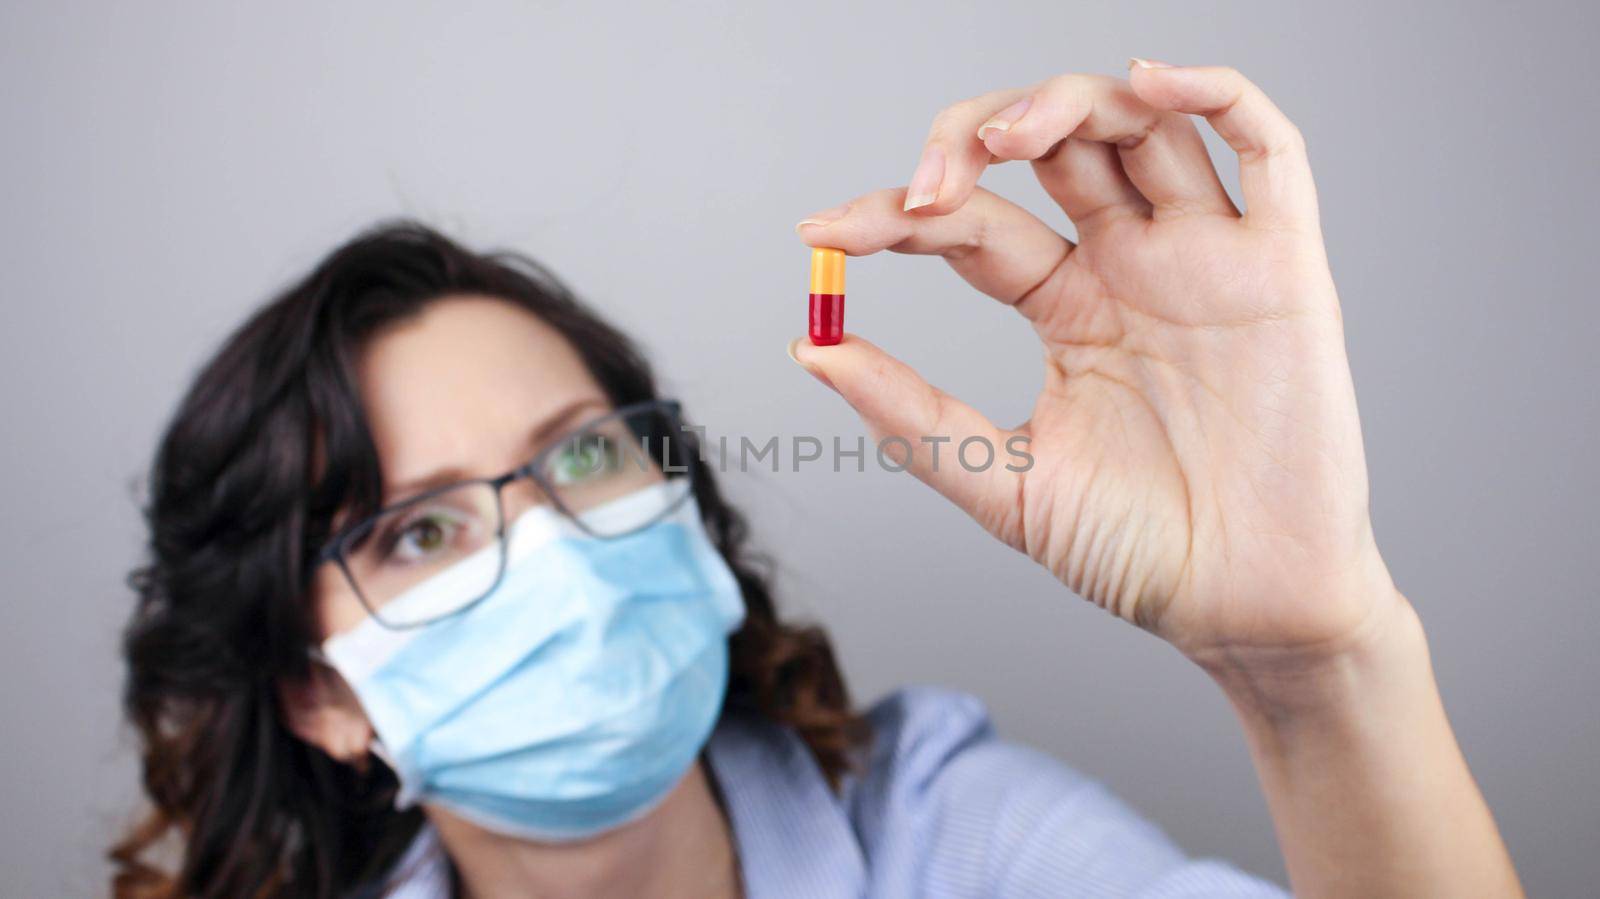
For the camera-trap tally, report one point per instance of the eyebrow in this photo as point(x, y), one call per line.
point(552, 425)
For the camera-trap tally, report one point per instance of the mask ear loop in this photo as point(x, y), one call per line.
point(406, 796)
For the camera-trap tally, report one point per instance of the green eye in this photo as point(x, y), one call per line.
point(422, 537)
point(584, 458)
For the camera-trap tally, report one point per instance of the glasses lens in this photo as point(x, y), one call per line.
point(427, 558)
point(622, 472)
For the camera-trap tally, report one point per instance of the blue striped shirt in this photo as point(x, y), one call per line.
point(942, 808)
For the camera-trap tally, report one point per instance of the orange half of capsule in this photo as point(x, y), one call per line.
point(827, 296)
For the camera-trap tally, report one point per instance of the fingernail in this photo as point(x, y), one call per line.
point(924, 187)
point(1005, 118)
point(1135, 62)
point(795, 343)
point(825, 217)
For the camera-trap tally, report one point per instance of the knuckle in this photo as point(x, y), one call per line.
point(1069, 89)
point(1294, 139)
point(956, 114)
point(1064, 81)
point(885, 198)
point(1286, 141)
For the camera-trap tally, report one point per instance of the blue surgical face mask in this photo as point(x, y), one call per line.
point(572, 698)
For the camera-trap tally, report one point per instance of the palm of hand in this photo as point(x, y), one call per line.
point(1197, 452)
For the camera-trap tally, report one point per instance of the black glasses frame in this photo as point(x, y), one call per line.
point(671, 410)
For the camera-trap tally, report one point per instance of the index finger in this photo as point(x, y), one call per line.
point(997, 246)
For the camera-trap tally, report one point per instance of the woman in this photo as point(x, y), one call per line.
point(442, 598)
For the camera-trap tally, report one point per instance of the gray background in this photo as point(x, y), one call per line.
point(165, 168)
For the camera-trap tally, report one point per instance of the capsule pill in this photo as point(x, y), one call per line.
point(827, 296)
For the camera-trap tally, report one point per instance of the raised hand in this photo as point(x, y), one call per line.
point(1198, 460)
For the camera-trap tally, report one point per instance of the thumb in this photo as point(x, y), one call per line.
point(944, 442)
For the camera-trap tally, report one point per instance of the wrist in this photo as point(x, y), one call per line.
point(1383, 662)
point(1369, 792)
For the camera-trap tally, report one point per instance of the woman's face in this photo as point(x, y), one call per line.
point(469, 388)
point(472, 387)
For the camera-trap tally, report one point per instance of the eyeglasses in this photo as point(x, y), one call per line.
point(459, 530)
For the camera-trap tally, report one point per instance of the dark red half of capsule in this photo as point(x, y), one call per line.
point(827, 318)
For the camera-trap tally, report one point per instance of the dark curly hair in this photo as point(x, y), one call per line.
point(267, 448)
